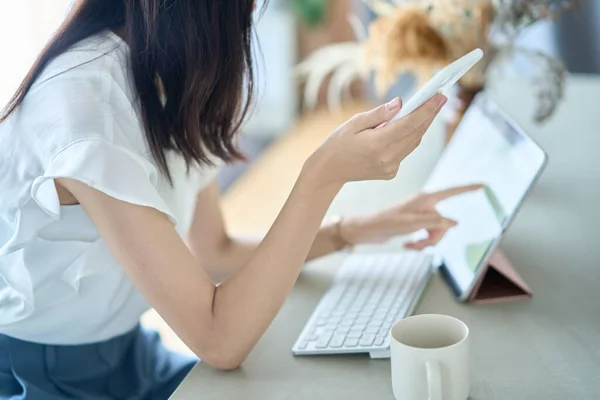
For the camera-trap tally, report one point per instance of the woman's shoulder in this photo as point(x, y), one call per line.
point(84, 93)
point(101, 56)
point(80, 106)
point(89, 72)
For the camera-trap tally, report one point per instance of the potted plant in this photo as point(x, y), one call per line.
point(311, 12)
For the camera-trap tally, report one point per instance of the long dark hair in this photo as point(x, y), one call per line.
point(197, 51)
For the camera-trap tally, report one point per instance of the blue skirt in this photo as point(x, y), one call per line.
point(129, 367)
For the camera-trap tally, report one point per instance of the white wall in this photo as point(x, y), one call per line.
point(25, 26)
point(275, 58)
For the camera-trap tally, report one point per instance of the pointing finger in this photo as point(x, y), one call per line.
point(447, 193)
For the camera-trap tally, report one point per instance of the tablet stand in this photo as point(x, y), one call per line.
point(500, 282)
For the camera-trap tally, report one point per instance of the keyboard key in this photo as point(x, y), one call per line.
point(379, 340)
point(362, 320)
point(323, 340)
point(321, 322)
point(346, 322)
point(334, 320)
point(342, 329)
point(380, 314)
point(359, 327)
point(372, 329)
point(337, 341)
point(351, 342)
point(354, 334)
point(367, 339)
point(376, 322)
point(383, 332)
point(302, 345)
point(311, 337)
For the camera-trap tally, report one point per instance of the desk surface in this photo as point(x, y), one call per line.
point(545, 348)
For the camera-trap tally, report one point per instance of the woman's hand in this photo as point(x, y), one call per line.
point(403, 219)
point(363, 150)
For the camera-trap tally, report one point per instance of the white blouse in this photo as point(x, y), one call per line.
point(59, 284)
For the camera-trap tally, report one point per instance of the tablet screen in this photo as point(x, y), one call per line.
point(486, 148)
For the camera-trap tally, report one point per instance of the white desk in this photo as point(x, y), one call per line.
point(545, 348)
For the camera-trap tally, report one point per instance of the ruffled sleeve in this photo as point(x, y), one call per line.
point(80, 124)
point(113, 170)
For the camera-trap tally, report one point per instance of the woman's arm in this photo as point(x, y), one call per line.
point(221, 324)
point(221, 254)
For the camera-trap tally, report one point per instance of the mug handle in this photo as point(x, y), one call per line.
point(434, 380)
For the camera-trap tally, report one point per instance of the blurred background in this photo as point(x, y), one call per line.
point(289, 32)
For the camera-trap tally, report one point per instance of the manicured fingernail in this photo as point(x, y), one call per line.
point(392, 105)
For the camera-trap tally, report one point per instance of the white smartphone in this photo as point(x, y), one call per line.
point(441, 81)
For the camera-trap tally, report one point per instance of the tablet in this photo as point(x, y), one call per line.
point(487, 148)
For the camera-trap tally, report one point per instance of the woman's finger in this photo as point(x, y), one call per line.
point(420, 245)
point(430, 220)
point(435, 236)
point(375, 117)
point(417, 122)
point(436, 197)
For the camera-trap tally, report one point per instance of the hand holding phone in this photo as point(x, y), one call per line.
point(441, 81)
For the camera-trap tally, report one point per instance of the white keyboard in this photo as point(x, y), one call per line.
point(368, 295)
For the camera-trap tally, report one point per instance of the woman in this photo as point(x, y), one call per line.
point(109, 148)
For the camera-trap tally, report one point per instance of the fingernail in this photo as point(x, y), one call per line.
point(441, 99)
point(392, 105)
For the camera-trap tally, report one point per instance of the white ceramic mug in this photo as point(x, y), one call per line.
point(430, 358)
